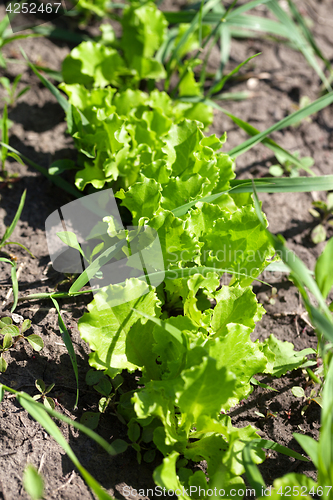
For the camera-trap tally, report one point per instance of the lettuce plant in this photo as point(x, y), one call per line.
point(125, 62)
point(196, 361)
point(114, 124)
point(116, 132)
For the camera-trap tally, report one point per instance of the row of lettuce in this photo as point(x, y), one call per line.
point(196, 362)
point(189, 337)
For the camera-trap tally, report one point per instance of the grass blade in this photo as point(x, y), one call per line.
point(165, 49)
point(284, 184)
point(234, 96)
point(69, 345)
point(187, 16)
point(266, 185)
point(244, 8)
point(108, 447)
point(269, 143)
point(308, 35)
point(3, 25)
point(182, 272)
point(61, 34)
point(18, 37)
point(295, 117)
point(15, 287)
point(19, 245)
point(54, 91)
point(219, 86)
point(193, 26)
point(4, 138)
point(251, 469)
point(225, 48)
point(56, 179)
point(309, 445)
point(296, 36)
point(325, 448)
point(11, 228)
point(37, 411)
point(259, 24)
point(252, 472)
point(96, 265)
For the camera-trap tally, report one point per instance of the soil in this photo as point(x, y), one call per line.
point(279, 78)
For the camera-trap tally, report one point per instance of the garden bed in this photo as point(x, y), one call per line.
point(38, 132)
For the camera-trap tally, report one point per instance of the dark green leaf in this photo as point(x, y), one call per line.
point(104, 386)
point(93, 376)
point(40, 385)
point(90, 419)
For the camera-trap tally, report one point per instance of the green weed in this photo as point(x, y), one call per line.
point(13, 334)
point(323, 210)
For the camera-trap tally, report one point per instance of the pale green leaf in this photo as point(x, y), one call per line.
point(324, 269)
point(36, 342)
point(286, 358)
point(33, 482)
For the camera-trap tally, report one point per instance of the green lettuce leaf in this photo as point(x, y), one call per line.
point(94, 65)
point(242, 356)
point(105, 328)
point(286, 358)
point(238, 242)
point(235, 305)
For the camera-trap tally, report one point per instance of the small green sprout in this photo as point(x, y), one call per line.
point(12, 334)
point(288, 167)
point(322, 210)
point(312, 378)
point(9, 230)
point(9, 258)
point(299, 392)
point(272, 297)
point(5, 125)
point(107, 388)
point(11, 89)
point(70, 239)
point(269, 414)
point(47, 401)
